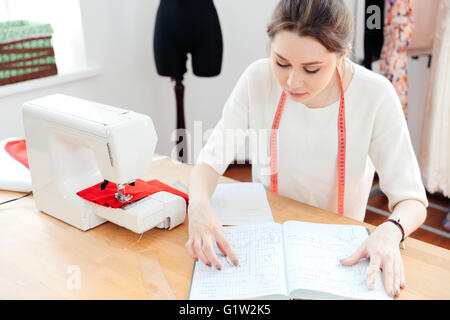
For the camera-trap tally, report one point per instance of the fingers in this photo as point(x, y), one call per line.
point(392, 267)
point(189, 247)
point(198, 251)
point(394, 275)
point(202, 249)
point(226, 249)
point(388, 277)
point(195, 250)
point(210, 253)
point(399, 274)
point(372, 271)
point(402, 275)
point(355, 257)
point(397, 279)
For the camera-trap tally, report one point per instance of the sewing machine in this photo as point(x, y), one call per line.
point(73, 144)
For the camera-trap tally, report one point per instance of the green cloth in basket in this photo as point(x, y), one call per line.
point(26, 51)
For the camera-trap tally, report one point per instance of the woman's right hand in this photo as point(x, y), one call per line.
point(205, 229)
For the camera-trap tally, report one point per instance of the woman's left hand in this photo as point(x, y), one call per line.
point(382, 248)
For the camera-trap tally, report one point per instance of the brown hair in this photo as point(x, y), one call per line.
point(328, 21)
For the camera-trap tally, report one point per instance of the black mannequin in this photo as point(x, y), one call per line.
point(182, 27)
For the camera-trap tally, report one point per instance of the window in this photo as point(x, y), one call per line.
point(65, 19)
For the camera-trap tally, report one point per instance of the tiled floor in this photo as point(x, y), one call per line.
point(434, 219)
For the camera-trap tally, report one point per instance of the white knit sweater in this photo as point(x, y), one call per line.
point(377, 137)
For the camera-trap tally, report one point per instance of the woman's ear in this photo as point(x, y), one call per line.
point(343, 55)
point(345, 52)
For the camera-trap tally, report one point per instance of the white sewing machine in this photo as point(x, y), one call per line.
point(73, 144)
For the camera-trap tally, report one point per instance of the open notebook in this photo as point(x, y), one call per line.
point(293, 260)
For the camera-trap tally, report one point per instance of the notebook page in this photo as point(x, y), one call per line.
point(313, 253)
point(260, 272)
point(241, 203)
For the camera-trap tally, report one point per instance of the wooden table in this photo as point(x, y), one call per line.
point(44, 258)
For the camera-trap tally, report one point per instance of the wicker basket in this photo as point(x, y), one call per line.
point(26, 51)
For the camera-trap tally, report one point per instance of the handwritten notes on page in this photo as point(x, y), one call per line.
point(259, 249)
point(296, 260)
point(241, 203)
point(313, 254)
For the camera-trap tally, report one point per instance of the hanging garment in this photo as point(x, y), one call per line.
point(398, 30)
point(373, 31)
point(356, 7)
point(424, 14)
point(141, 189)
point(435, 144)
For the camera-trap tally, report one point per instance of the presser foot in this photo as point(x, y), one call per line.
point(121, 197)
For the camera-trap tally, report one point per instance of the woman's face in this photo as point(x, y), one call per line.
point(302, 66)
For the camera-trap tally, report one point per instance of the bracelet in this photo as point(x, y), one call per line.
point(397, 223)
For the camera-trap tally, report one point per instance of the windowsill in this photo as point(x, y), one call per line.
point(58, 79)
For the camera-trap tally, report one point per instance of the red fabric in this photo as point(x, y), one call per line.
point(18, 150)
point(141, 189)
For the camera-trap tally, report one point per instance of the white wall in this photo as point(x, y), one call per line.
point(119, 37)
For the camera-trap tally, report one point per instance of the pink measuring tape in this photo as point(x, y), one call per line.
point(341, 146)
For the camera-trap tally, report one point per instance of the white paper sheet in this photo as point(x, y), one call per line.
point(14, 176)
point(241, 203)
point(313, 253)
point(260, 272)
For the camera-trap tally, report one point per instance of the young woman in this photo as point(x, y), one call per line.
point(331, 123)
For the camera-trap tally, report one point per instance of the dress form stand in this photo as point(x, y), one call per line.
point(181, 143)
point(182, 27)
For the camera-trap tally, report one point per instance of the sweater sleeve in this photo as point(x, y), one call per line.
point(229, 135)
point(392, 153)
